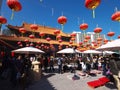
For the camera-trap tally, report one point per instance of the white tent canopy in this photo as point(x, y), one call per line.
point(69, 50)
point(108, 52)
point(113, 45)
point(28, 50)
point(92, 52)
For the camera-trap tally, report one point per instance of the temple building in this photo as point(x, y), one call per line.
point(42, 37)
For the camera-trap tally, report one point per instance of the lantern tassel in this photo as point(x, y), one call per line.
point(84, 33)
point(12, 15)
point(93, 12)
point(62, 27)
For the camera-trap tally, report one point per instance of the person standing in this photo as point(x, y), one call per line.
point(51, 64)
point(60, 65)
point(115, 69)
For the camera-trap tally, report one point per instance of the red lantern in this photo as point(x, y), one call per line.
point(3, 20)
point(70, 42)
point(99, 39)
point(42, 34)
point(85, 40)
point(2, 53)
point(84, 26)
point(34, 26)
point(22, 30)
point(72, 39)
point(110, 34)
point(58, 37)
point(116, 16)
point(73, 35)
point(48, 39)
point(57, 32)
point(31, 44)
point(26, 40)
point(14, 5)
point(31, 36)
point(98, 30)
point(92, 4)
point(80, 43)
point(119, 37)
point(19, 43)
point(60, 41)
point(38, 42)
point(105, 41)
point(87, 37)
point(62, 20)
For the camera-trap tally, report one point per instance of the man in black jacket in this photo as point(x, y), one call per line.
point(115, 68)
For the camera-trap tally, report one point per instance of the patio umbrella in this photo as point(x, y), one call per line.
point(113, 45)
point(28, 50)
point(69, 50)
point(108, 52)
point(92, 52)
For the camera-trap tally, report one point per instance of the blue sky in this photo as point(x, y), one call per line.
point(46, 13)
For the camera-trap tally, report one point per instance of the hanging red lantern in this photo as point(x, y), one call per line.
point(22, 30)
point(34, 26)
point(26, 40)
point(56, 32)
point(48, 39)
point(31, 36)
point(31, 44)
point(110, 34)
point(99, 39)
point(92, 4)
point(80, 43)
point(72, 39)
point(60, 41)
point(105, 41)
point(3, 20)
point(42, 34)
point(116, 16)
point(14, 5)
point(58, 37)
point(97, 30)
point(19, 43)
point(2, 53)
point(38, 42)
point(119, 37)
point(85, 40)
point(62, 20)
point(71, 42)
point(83, 26)
point(87, 37)
point(73, 35)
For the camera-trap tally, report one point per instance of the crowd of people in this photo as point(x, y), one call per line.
point(21, 66)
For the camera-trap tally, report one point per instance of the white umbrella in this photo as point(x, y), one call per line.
point(108, 52)
point(113, 45)
point(69, 50)
point(28, 50)
point(92, 52)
